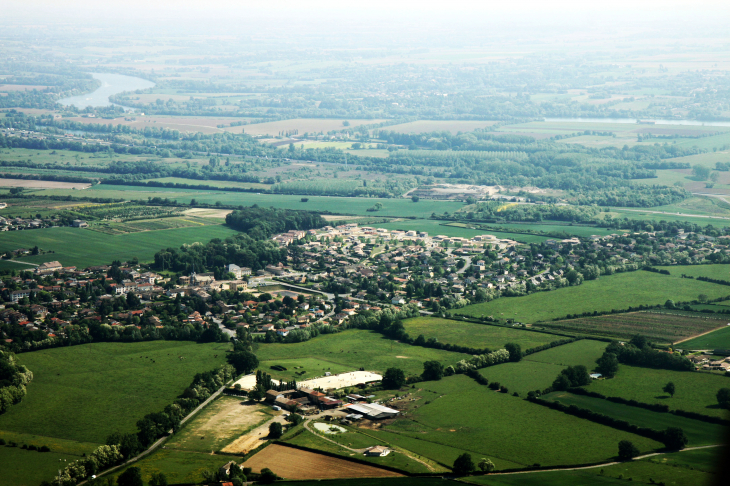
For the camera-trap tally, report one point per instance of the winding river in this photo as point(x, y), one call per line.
point(110, 84)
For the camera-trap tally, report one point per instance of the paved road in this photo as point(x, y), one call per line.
point(224, 328)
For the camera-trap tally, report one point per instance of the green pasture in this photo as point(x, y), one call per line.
point(719, 339)
point(86, 392)
point(82, 247)
point(460, 333)
point(355, 349)
point(684, 468)
point(20, 467)
point(617, 291)
point(572, 230)
point(698, 432)
point(485, 423)
point(538, 371)
point(394, 207)
point(695, 391)
point(179, 467)
point(11, 265)
point(719, 271)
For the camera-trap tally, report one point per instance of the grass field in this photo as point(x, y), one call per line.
point(393, 207)
point(470, 417)
point(695, 390)
point(179, 467)
point(720, 271)
point(685, 468)
point(608, 292)
point(663, 327)
point(538, 371)
point(474, 335)
point(698, 432)
point(719, 339)
point(218, 424)
point(356, 348)
point(29, 468)
point(86, 392)
point(573, 230)
point(82, 247)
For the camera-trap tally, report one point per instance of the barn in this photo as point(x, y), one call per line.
point(373, 410)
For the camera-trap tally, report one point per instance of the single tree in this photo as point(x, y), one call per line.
point(669, 388)
point(674, 438)
point(627, 450)
point(267, 476)
point(515, 351)
point(432, 370)
point(275, 430)
point(463, 464)
point(607, 365)
point(394, 378)
point(158, 479)
point(131, 477)
point(243, 361)
point(561, 383)
point(485, 465)
point(723, 398)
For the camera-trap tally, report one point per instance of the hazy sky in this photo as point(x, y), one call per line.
point(448, 19)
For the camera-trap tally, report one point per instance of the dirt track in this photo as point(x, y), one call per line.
point(253, 439)
point(292, 463)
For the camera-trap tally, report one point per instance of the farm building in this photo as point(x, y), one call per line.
point(377, 451)
point(373, 410)
point(48, 267)
point(79, 223)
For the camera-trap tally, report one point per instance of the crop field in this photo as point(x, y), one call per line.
point(453, 126)
point(293, 463)
point(356, 348)
point(660, 327)
point(83, 247)
point(114, 229)
point(218, 424)
point(602, 295)
point(676, 469)
point(698, 432)
point(86, 392)
point(695, 390)
point(719, 339)
point(470, 417)
point(538, 371)
point(474, 335)
point(42, 184)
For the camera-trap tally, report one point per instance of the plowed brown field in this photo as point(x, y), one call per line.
point(291, 463)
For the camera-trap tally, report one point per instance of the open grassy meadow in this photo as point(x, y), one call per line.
point(355, 349)
point(698, 432)
point(719, 339)
point(603, 294)
point(84, 393)
point(695, 390)
point(392, 207)
point(684, 468)
point(470, 417)
point(538, 371)
point(83, 247)
point(450, 331)
point(179, 467)
point(19, 467)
